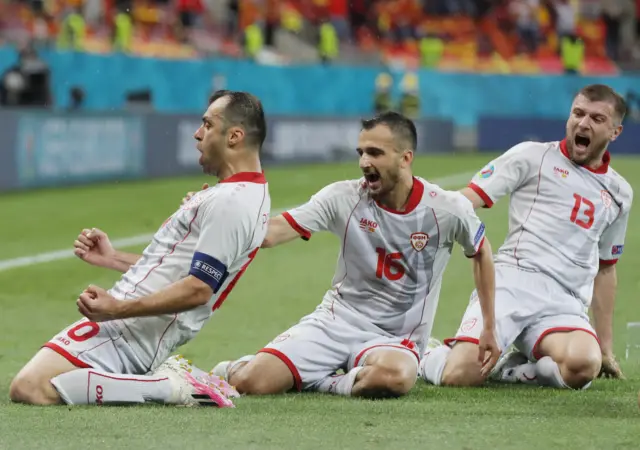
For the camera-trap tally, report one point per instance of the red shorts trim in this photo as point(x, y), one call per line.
point(68, 356)
point(450, 341)
point(536, 354)
point(304, 234)
point(285, 359)
point(488, 203)
point(398, 346)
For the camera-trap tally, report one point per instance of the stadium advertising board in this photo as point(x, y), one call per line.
point(67, 149)
point(501, 133)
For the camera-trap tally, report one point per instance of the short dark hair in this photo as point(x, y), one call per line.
point(604, 93)
point(244, 110)
point(401, 126)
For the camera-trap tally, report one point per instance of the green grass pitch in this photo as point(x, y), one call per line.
point(282, 285)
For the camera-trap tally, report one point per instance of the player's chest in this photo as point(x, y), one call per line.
point(574, 199)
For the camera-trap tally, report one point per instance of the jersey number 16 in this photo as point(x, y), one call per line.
point(388, 265)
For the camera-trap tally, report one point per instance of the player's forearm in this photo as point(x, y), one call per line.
point(181, 296)
point(484, 277)
point(603, 305)
point(122, 261)
point(279, 232)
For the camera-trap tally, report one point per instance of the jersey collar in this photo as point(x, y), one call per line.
point(606, 158)
point(414, 199)
point(246, 177)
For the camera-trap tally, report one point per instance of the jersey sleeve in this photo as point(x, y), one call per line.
point(612, 240)
point(469, 229)
point(504, 174)
point(223, 230)
point(319, 213)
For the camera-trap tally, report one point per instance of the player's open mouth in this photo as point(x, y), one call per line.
point(373, 179)
point(581, 141)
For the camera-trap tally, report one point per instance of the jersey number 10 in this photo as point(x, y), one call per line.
point(587, 213)
point(388, 265)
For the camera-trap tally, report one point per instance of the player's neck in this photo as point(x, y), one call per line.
point(240, 165)
point(598, 161)
point(398, 198)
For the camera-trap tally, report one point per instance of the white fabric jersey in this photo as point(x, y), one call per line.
point(390, 265)
point(213, 237)
point(564, 219)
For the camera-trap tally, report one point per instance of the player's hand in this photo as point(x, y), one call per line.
point(187, 197)
point(489, 352)
point(93, 246)
point(97, 305)
point(610, 367)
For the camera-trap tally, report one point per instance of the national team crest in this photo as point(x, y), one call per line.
point(419, 241)
point(606, 198)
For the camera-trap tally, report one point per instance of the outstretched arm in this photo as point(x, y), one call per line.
point(603, 306)
point(281, 231)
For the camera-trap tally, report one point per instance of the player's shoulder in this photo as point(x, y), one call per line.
point(344, 188)
point(531, 149)
point(620, 186)
point(444, 200)
point(234, 199)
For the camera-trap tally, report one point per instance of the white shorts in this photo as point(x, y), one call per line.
point(528, 306)
point(87, 344)
point(323, 342)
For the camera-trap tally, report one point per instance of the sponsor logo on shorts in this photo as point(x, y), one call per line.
point(419, 241)
point(468, 325)
point(368, 225)
point(617, 249)
point(606, 198)
point(562, 173)
point(487, 171)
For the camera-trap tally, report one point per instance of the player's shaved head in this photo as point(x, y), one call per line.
point(243, 110)
point(402, 128)
point(604, 93)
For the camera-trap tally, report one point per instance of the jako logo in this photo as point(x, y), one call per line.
point(564, 173)
point(99, 395)
point(368, 225)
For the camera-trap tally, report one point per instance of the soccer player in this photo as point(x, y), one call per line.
point(397, 232)
point(168, 293)
point(568, 216)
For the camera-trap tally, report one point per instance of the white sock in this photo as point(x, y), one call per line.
point(548, 373)
point(524, 373)
point(433, 363)
point(92, 387)
point(340, 384)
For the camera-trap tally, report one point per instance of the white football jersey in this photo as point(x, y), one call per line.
point(213, 237)
point(564, 219)
point(390, 264)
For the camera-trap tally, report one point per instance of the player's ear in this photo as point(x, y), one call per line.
point(235, 136)
point(616, 132)
point(407, 158)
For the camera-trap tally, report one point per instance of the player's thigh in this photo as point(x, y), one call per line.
point(569, 340)
point(311, 350)
point(391, 363)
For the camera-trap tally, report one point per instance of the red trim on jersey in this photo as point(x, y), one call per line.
point(536, 352)
point(471, 340)
point(246, 177)
point(66, 355)
point(606, 159)
point(231, 285)
point(414, 199)
point(297, 381)
point(608, 262)
point(479, 248)
point(398, 346)
point(304, 234)
point(488, 203)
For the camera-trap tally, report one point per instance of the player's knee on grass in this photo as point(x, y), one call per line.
point(387, 374)
point(462, 368)
point(32, 384)
point(577, 354)
point(264, 375)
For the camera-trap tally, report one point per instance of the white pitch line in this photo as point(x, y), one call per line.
point(57, 255)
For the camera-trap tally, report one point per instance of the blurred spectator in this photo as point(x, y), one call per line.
point(27, 83)
point(382, 101)
point(611, 13)
point(525, 14)
point(572, 53)
point(565, 18)
point(328, 42)
point(76, 98)
point(410, 96)
point(73, 30)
